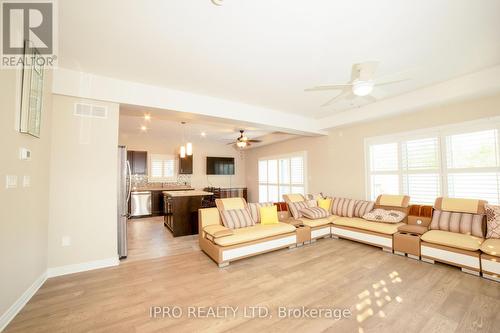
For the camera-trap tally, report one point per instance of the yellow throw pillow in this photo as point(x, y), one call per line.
point(269, 215)
point(325, 203)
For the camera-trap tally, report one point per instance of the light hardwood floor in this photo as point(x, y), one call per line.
point(385, 293)
point(148, 238)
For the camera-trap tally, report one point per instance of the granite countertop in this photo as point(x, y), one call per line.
point(159, 188)
point(192, 193)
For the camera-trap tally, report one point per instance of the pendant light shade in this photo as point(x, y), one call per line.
point(183, 151)
point(189, 149)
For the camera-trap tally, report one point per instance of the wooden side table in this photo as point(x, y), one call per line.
point(407, 243)
point(303, 233)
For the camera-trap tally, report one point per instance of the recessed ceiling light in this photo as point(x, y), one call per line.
point(203, 134)
point(147, 117)
point(144, 128)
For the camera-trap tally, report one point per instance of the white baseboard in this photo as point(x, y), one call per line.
point(84, 266)
point(7, 317)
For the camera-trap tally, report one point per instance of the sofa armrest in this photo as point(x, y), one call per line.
point(214, 231)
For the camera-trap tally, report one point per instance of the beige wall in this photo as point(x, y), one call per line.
point(24, 211)
point(83, 184)
point(336, 162)
point(201, 149)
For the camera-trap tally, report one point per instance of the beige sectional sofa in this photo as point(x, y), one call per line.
point(369, 232)
point(224, 245)
point(455, 235)
point(490, 259)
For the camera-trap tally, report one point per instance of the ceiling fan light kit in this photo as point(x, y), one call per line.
point(362, 88)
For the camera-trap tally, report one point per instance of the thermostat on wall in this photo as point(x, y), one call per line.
point(24, 154)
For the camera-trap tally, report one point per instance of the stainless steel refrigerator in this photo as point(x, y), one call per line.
point(124, 189)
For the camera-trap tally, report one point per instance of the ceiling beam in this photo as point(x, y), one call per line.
point(91, 86)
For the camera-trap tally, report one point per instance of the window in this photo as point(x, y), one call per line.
point(452, 161)
point(162, 167)
point(281, 175)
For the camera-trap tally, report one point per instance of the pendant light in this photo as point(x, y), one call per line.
point(186, 149)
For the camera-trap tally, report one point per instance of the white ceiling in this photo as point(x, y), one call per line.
point(265, 52)
point(167, 124)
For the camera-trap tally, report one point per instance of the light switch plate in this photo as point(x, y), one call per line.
point(24, 154)
point(10, 181)
point(26, 181)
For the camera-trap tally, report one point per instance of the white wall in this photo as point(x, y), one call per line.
point(336, 162)
point(83, 185)
point(24, 211)
point(201, 149)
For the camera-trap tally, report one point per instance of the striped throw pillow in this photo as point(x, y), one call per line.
point(463, 223)
point(236, 218)
point(295, 207)
point(255, 209)
point(363, 207)
point(343, 207)
point(314, 213)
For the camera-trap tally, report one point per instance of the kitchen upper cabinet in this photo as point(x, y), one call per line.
point(186, 165)
point(138, 162)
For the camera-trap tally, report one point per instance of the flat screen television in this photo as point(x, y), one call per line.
point(220, 165)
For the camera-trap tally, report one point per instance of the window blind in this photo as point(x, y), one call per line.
point(461, 162)
point(279, 176)
point(162, 166)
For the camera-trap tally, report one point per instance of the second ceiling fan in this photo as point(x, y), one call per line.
point(362, 83)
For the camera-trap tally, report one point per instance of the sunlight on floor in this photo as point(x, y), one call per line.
point(379, 296)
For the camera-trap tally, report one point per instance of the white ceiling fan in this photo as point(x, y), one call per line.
point(362, 83)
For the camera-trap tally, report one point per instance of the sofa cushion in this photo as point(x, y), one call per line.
point(319, 222)
point(491, 246)
point(456, 222)
point(356, 222)
point(256, 232)
point(237, 218)
point(269, 215)
point(413, 229)
point(493, 221)
point(363, 207)
point(386, 216)
point(452, 239)
point(314, 213)
point(295, 208)
point(255, 209)
point(343, 207)
point(325, 203)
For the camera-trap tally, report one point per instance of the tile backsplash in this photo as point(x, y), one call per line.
point(143, 180)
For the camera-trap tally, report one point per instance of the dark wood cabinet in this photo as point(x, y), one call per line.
point(157, 203)
point(186, 165)
point(138, 162)
point(181, 214)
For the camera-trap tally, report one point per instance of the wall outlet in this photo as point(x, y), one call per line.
point(26, 181)
point(66, 241)
point(10, 181)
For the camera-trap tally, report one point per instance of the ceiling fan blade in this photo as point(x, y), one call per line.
point(343, 94)
point(329, 87)
point(231, 143)
point(255, 141)
point(390, 82)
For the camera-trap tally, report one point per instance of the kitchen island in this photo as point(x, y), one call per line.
point(181, 210)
